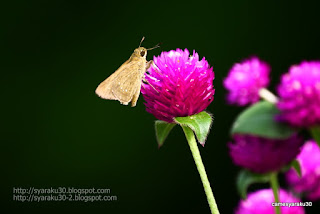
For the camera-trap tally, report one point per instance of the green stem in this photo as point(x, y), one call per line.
point(203, 175)
point(275, 188)
point(315, 132)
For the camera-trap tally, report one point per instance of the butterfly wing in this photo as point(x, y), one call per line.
point(104, 90)
point(126, 85)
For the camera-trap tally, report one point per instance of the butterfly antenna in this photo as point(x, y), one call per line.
point(141, 41)
point(156, 46)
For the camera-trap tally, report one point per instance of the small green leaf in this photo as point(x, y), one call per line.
point(286, 168)
point(162, 131)
point(259, 120)
point(296, 166)
point(246, 178)
point(199, 123)
point(315, 132)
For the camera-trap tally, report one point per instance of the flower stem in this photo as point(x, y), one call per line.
point(275, 188)
point(315, 132)
point(268, 95)
point(197, 159)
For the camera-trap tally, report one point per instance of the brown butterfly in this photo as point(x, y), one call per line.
point(125, 83)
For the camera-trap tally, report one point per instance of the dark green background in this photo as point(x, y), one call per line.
point(57, 132)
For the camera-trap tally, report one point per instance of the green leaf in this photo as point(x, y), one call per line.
point(162, 131)
point(296, 166)
point(259, 120)
point(199, 123)
point(246, 178)
point(315, 132)
point(286, 168)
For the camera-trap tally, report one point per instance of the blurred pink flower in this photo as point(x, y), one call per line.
point(244, 81)
point(309, 183)
point(260, 202)
point(299, 93)
point(262, 155)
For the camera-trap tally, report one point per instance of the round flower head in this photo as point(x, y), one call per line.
point(179, 85)
point(299, 93)
point(263, 155)
point(260, 202)
point(244, 81)
point(309, 182)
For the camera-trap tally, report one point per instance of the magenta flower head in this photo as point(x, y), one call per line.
point(244, 81)
point(309, 182)
point(179, 85)
point(299, 93)
point(262, 201)
point(262, 155)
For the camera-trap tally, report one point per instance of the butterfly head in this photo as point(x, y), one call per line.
point(140, 52)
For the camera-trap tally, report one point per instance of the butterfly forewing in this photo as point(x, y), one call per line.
point(104, 90)
point(127, 84)
point(124, 83)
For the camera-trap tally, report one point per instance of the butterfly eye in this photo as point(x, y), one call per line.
point(142, 53)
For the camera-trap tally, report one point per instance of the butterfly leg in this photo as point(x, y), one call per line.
point(149, 64)
point(145, 80)
point(154, 65)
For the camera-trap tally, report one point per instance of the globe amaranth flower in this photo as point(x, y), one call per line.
point(309, 182)
point(245, 80)
point(260, 202)
point(179, 85)
point(299, 93)
point(262, 155)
